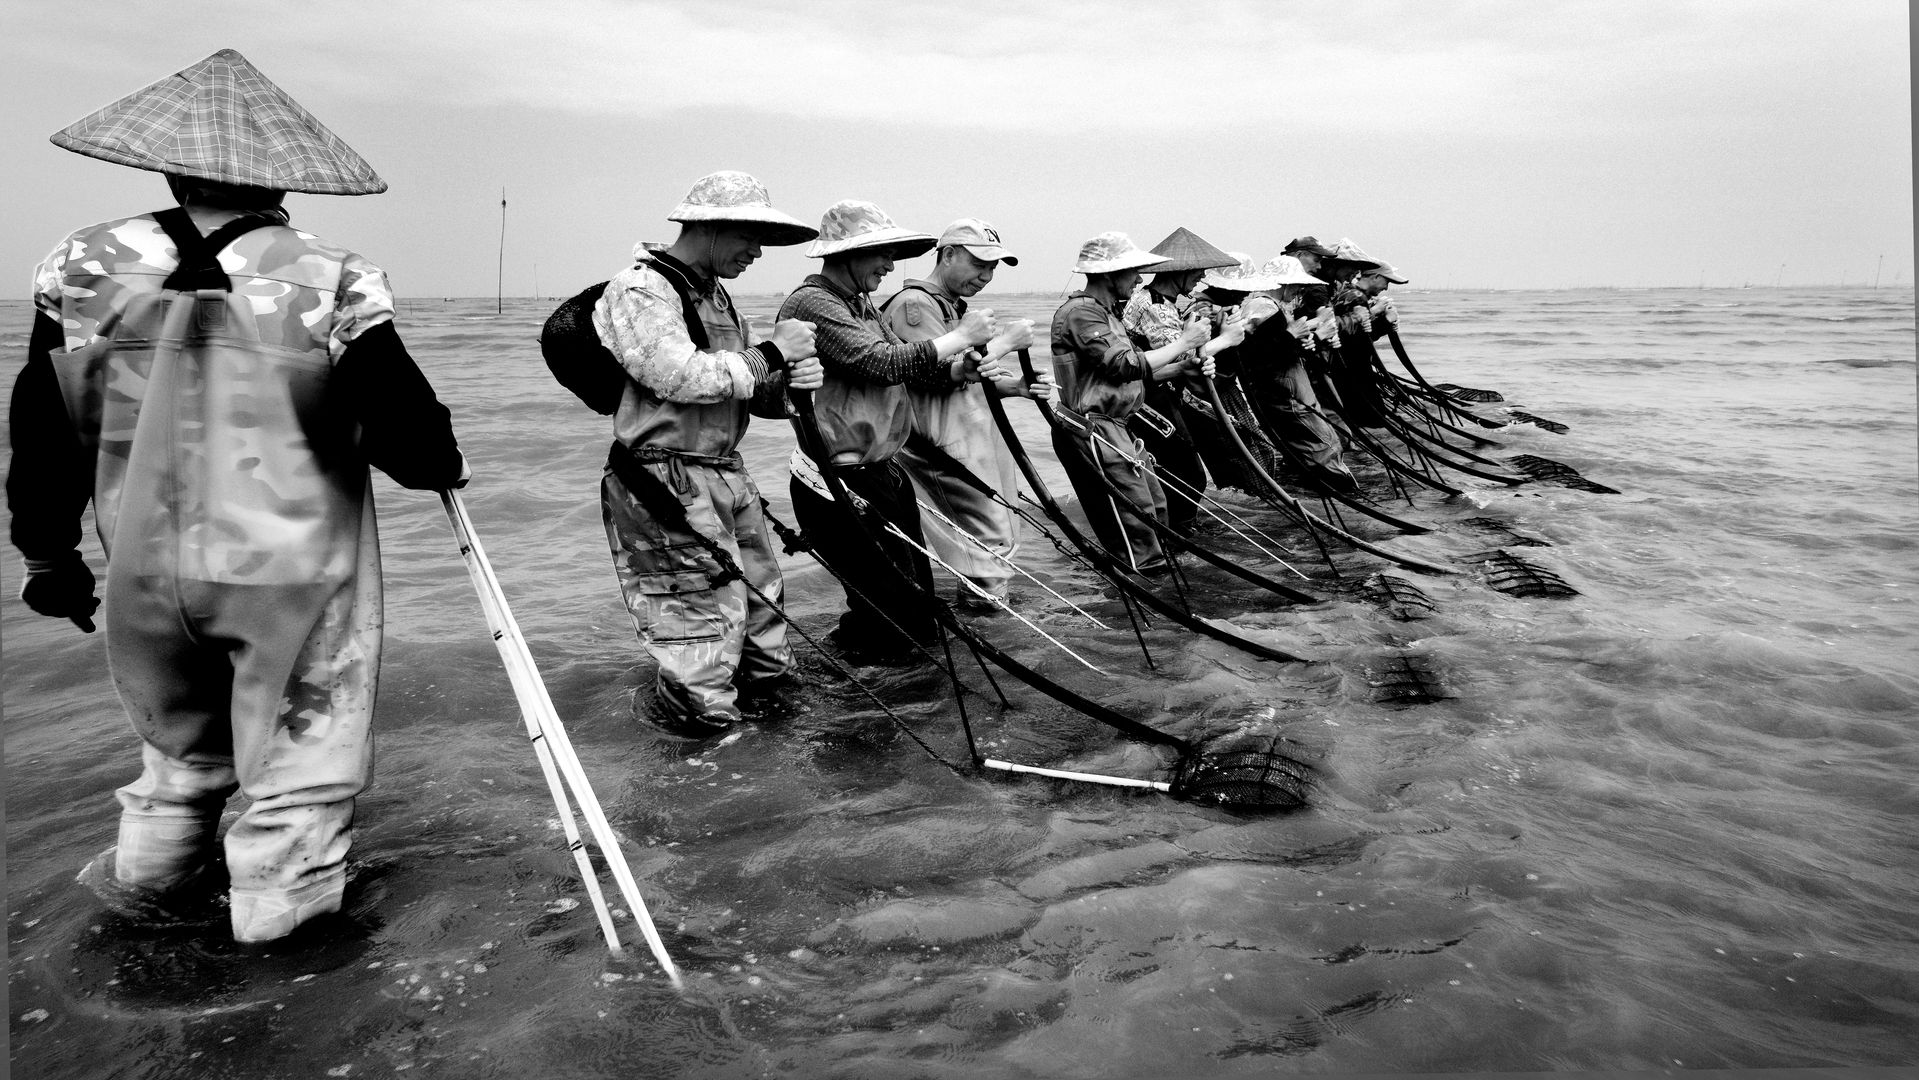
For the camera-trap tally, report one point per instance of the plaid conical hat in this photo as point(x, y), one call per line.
point(222, 120)
point(1188, 252)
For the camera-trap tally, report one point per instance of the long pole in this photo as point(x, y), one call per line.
point(531, 691)
point(1875, 273)
point(499, 277)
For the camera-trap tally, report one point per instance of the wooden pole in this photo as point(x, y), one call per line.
point(499, 279)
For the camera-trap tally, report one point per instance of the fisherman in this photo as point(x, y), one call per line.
point(697, 376)
point(1312, 256)
point(955, 420)
point(1178, 440)
point(1374, 280)
point(1270, 366)
point(217, 382)
point(1354, 373)
point(864, 416)
point(1102, 377)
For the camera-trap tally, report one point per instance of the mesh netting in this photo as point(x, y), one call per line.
point(1261, 775)
point(1467, 393)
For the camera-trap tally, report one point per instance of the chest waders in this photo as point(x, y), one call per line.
point(243, 610)
point(708, 636)
point(957, 423)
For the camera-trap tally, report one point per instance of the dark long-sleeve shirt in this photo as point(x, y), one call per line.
point(863, 410)
point(405, 432)
point(1098, 367)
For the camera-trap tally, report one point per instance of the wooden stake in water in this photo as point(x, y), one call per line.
point(499, 275)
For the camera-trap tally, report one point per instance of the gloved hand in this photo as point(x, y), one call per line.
point(61, 588)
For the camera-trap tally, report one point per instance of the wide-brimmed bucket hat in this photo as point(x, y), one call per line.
point(1243, 276)
point(1288, 270)
point(1113, 251)
point(1184, 250)
point(222, 120)
point(735, 198)
point(1350, 253)
point(852, 224)
point(979, 238)
point(1310, 245)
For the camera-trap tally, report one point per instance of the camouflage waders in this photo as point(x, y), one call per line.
point(708, 641)
point(243, 607)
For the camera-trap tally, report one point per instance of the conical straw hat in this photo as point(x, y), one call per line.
point(1188, 252)
point(222, 120)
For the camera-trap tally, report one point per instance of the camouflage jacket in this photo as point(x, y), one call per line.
point(234, 427)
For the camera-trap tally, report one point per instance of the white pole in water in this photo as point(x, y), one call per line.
point(1875, 273)
point(499, 274)
point(1087, 778)
point(530, 689)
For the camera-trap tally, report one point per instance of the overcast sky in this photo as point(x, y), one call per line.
point(1495, 144)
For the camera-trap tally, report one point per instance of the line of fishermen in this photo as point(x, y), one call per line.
point(216, 383)
point(900, 399)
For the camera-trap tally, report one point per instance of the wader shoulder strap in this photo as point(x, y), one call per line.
point(682, 282)
point(199, 255)
point(948, 310)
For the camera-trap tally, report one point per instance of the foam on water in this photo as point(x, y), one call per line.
point(1662, 823)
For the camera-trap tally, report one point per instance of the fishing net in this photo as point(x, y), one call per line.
point(1406, 679)
point(1261, 774)
point(1399, 598)
point(1468, 394)
point(1520, 416)
point(1553, 472)
point(1508, 536)
point(1514, 576)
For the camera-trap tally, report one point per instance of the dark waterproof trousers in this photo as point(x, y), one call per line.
point(885, 617)
point(1182, 474)
point(1120, 529)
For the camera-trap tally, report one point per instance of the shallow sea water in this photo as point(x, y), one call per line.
point(1666, 823)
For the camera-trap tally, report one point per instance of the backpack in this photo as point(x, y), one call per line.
point(582, 363)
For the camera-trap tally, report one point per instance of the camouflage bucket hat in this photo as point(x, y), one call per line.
point(852, 224)
point(1287, 270)
point(1112, 251)
point(222, 120)
point(737, 199)
point(1348, 252)
point(1243, 276)
point(1186, 251)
